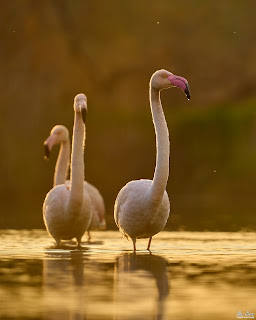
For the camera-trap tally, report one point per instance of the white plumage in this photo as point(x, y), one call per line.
point(62, 221)
point(142, 206)
point(60, 135)
point(67, 211)
point(134, 213)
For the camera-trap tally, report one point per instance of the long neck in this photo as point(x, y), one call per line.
point(162, 147)
point(62, 164)
point(77, 163)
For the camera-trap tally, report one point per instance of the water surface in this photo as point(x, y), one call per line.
point(189, 275)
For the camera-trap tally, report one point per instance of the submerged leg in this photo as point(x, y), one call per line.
point(79, 242)
point(89, 235)
point(134, 245)
point(149, 243)
point(58, 243)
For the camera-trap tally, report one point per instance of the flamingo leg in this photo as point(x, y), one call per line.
point(58, 243)
point(78, 242)
point(89, 235)
point(149, 243)
point(134, 245)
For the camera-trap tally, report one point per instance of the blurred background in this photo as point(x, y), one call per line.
point(52, 50)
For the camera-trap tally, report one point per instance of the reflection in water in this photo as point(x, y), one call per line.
point(63, 282)
point(102, 283)
point(140, 280)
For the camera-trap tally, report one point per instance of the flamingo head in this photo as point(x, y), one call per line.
point(59, 134)
point(163, 79)
point(80, 105)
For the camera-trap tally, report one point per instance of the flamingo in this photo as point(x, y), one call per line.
point(142, 207)
point(60, 135)
point(67, 210)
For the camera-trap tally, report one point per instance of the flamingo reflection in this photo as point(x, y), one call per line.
point(136, 279)
point(63, 286)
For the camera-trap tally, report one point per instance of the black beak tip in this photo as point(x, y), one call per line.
point(187, 91)
point(47, 152)
point(84, 113)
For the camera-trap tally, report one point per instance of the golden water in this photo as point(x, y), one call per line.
point(188, 276)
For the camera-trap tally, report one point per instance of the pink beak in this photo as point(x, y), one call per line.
point(181, 83)
point(48, 144)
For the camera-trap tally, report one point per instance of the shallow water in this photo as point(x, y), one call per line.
point(189, 275)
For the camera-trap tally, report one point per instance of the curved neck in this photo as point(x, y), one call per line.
point(62, 164)
point(77, 163)
point(162, 147)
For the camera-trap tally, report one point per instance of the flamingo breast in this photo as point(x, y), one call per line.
point(133, 210)
point(60, 223)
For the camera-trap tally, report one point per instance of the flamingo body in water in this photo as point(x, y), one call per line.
point(142, 207)
point(67, 210)
point(60, 135)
